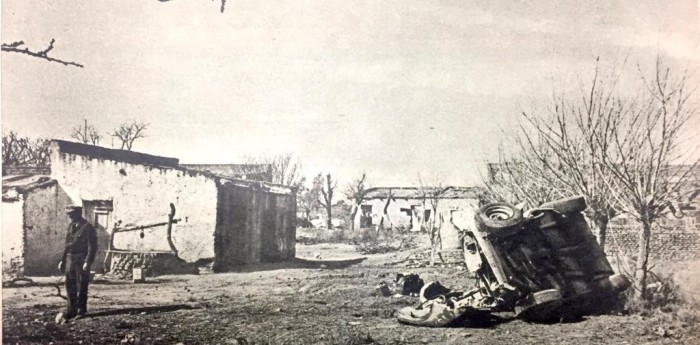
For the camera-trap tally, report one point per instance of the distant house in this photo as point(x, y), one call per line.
point(226, 220)
point(405, 208)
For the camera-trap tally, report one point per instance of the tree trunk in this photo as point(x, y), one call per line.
point(640, 274)
point(353, 214)
point(601, 227)
point(329, 223)
point(435, 238)
point(385, 215)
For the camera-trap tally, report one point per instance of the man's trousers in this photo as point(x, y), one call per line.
point(77, 281)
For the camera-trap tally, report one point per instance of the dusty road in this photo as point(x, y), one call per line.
point(292, 304)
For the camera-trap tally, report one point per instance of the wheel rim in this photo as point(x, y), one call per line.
point(499, 212)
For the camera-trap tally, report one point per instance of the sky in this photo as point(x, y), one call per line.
point(394, 87)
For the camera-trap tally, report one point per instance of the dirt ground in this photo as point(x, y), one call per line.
point(295, 303)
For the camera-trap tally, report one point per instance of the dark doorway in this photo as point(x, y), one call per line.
point(99, 214)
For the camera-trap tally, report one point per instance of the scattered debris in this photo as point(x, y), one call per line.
point(383, 289)
point(408, 284)
point(542, 265)
point(131, 338)
point(432, 290)
point(60, 318)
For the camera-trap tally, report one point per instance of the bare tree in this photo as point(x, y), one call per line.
point(556, 156)
point(86, 134)
point(355, 192)
point(510, 180)
point(23, 151)
point(18, 47)
point(308, 198)
point(285, 169)
point(431, 191)
point(128, 133)
point(642, 146)
point(385, 212)
point(327, 201)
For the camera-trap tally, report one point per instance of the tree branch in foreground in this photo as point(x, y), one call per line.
point(16, 47)
point(223, 4)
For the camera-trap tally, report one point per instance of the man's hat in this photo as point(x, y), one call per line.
point(74, 209)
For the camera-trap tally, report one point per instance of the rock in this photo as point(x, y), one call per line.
point(60, 319)
point(662, 332)
point(382, 289)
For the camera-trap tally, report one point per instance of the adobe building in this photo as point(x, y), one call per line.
point(405, 208)
point(224, 220)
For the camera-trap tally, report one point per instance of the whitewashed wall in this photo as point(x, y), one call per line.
point(141, 194)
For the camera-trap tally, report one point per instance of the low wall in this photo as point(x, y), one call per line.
point(675, 243)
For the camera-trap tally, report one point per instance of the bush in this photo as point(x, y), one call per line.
point(669, 286)
point(371, 242)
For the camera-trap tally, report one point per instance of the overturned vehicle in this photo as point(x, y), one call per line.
point(542, 265)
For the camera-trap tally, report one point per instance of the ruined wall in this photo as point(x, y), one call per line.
point(400, 218)
point(397, 217)
point(12, 237)
point(253, 225)
point(45, 224)
point(140, 195)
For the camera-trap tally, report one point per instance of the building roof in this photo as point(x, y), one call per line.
point(415, 193)
point(258, 172)
point(125, 156)
point(97, 152)
point(15, 185)
point(259, 185)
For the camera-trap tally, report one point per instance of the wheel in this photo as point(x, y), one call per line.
point(567, 205)
point(499, 219)
point(539, 306)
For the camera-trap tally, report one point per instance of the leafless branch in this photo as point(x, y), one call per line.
point(86, 134)
point(129, 133)
point(355, 191)
point(285, 169)
point(16, 47)
point(223, 4)
point(23, 151)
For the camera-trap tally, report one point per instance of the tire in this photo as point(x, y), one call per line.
point(499, 219)
point(567, 205)
point(539, 306)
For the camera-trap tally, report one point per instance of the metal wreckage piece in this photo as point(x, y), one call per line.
point(542, 265)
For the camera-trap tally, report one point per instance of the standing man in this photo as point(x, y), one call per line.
point(81, 247)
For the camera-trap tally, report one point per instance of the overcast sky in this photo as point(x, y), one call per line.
point(391, 87)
